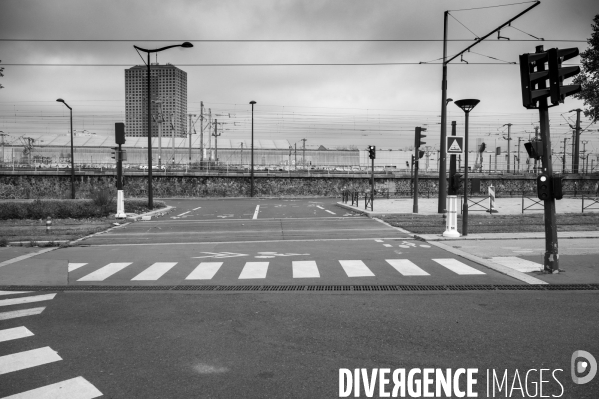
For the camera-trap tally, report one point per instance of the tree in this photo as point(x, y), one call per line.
point(589, 76)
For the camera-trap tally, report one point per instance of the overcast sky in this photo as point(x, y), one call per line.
point(329, 105)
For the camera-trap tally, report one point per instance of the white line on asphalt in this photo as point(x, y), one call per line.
point(519, 264)
point(204, 271)
point(155, 271)
point(256, 212)
point(75, 266)
point(333, 213)
point(14, 292)
point(18, 258)
point(27, 359)
point(254, 270)
point(318, 206)
point(457, 267)
point(356, 268)
point(378, 240)
point(406, 267)
point(26, 299)
point(184, 213)
point(305, 269)
point(387, 245)
point(75, 388)
point(14, 333)
point(20, 313)
point(104, 272)
point(195, 209)
point(212, 243)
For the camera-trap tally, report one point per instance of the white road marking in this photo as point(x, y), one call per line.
point(356, 268)
point(204, 271)
point(20, 313)
point(75, 266)
point(184, 213)
point(387, 245)
point(219, 255)
point(254, 270)
point(26, 299)
point(406, 267)
point(155, 271)
point(333, 213)
point(14, 292)
point(105, 272)
point(521, 265)
point(14, 333)
point(378, 240)
point(75, 388)
point(305, 269)
point(195, 209)
point(457, 267)
point(24, 360)
point(318, 206)
point(256, 212)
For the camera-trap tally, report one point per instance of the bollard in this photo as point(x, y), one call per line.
point(451, 222)
point(48, 225)
point(492, 209)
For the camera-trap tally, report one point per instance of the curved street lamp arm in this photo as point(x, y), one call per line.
point(157, 50)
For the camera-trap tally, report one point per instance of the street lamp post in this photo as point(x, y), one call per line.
point(60, 100)
point(252, 151)
point(467, 106)
point(184, 45)
point(2, 134)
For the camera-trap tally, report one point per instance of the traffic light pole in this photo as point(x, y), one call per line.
point(415, 206)
point(372, 186)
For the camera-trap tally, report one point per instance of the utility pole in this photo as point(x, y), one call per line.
point(585, 156)
point(537, 138)
point(173, 134)
point(216, 134)
point(576, 142)
point(295, 165)
point(190, 115)
point(2, 134)
point(564, 157)
point(509, 125)
point(241, 156)
point(519, 140)
point(209, 136)
point(304, 154)
point(201, 133)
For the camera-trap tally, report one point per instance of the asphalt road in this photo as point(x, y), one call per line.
point(291, 345)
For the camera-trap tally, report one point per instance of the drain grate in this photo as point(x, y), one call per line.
point(312, 288)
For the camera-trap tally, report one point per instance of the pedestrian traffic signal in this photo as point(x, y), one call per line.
point(371, 152)
point(557, 190)
point(455, 183)
point(407, 164)
point(534, 149)
point(419, 136)
point(557, 74)
point(115, 153)
point(544, 187)
point(533, 73)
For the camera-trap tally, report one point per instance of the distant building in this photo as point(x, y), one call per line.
point(169, 99)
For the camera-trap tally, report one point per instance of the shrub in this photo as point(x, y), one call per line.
point(3, 242)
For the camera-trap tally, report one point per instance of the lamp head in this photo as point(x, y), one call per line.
point(252, 102)
point(187, 45)
point(448, 100)
point(467, 105)
point(60, 100)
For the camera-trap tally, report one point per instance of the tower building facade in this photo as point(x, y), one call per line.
point(169, 100)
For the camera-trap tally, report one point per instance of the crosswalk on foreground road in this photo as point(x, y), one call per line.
point(259, 270)
point(74, 388)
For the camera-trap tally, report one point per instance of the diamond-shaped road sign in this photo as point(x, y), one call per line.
point(455, 144)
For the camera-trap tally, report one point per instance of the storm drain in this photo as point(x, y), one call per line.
point(311, 288)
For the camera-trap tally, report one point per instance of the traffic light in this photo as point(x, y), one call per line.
point(420, 153)
point(556, 184)
point(115, 153)
point(543, 187)
point(557, 74)
point(534, 149)
point(119, 133)
point(455, 183)
point(371, 152)
point(407, 164)
point(419, 136)
point(532, 72)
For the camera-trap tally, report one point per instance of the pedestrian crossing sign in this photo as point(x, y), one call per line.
point(455, 144)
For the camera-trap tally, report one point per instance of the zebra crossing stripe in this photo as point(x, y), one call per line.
point(204, 271)
point(305, 269)
point(254, 270)
point(154, 272)
point(27, 359)
point(356, 268)
point(20, 313)
point(14, 333)
point(406, 267)
point(457, 267)
point(26, 299)
point(331, 212)
point(104, 272)
point(14, 292)
point(75, 388)
point(75, 266)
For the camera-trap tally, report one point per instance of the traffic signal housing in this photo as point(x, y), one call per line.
point(114, 153)
point(558, 92)
point(119, 133)
point(420, 153)
point(557, 189)
point(544, 187)
point(455, 183)
point(419, 136)
point(534, 149)
point(372, 152)
point(533, 72)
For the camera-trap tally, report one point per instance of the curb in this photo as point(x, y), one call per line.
point(370, 214)
point(491, 236)
point(156, 212)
